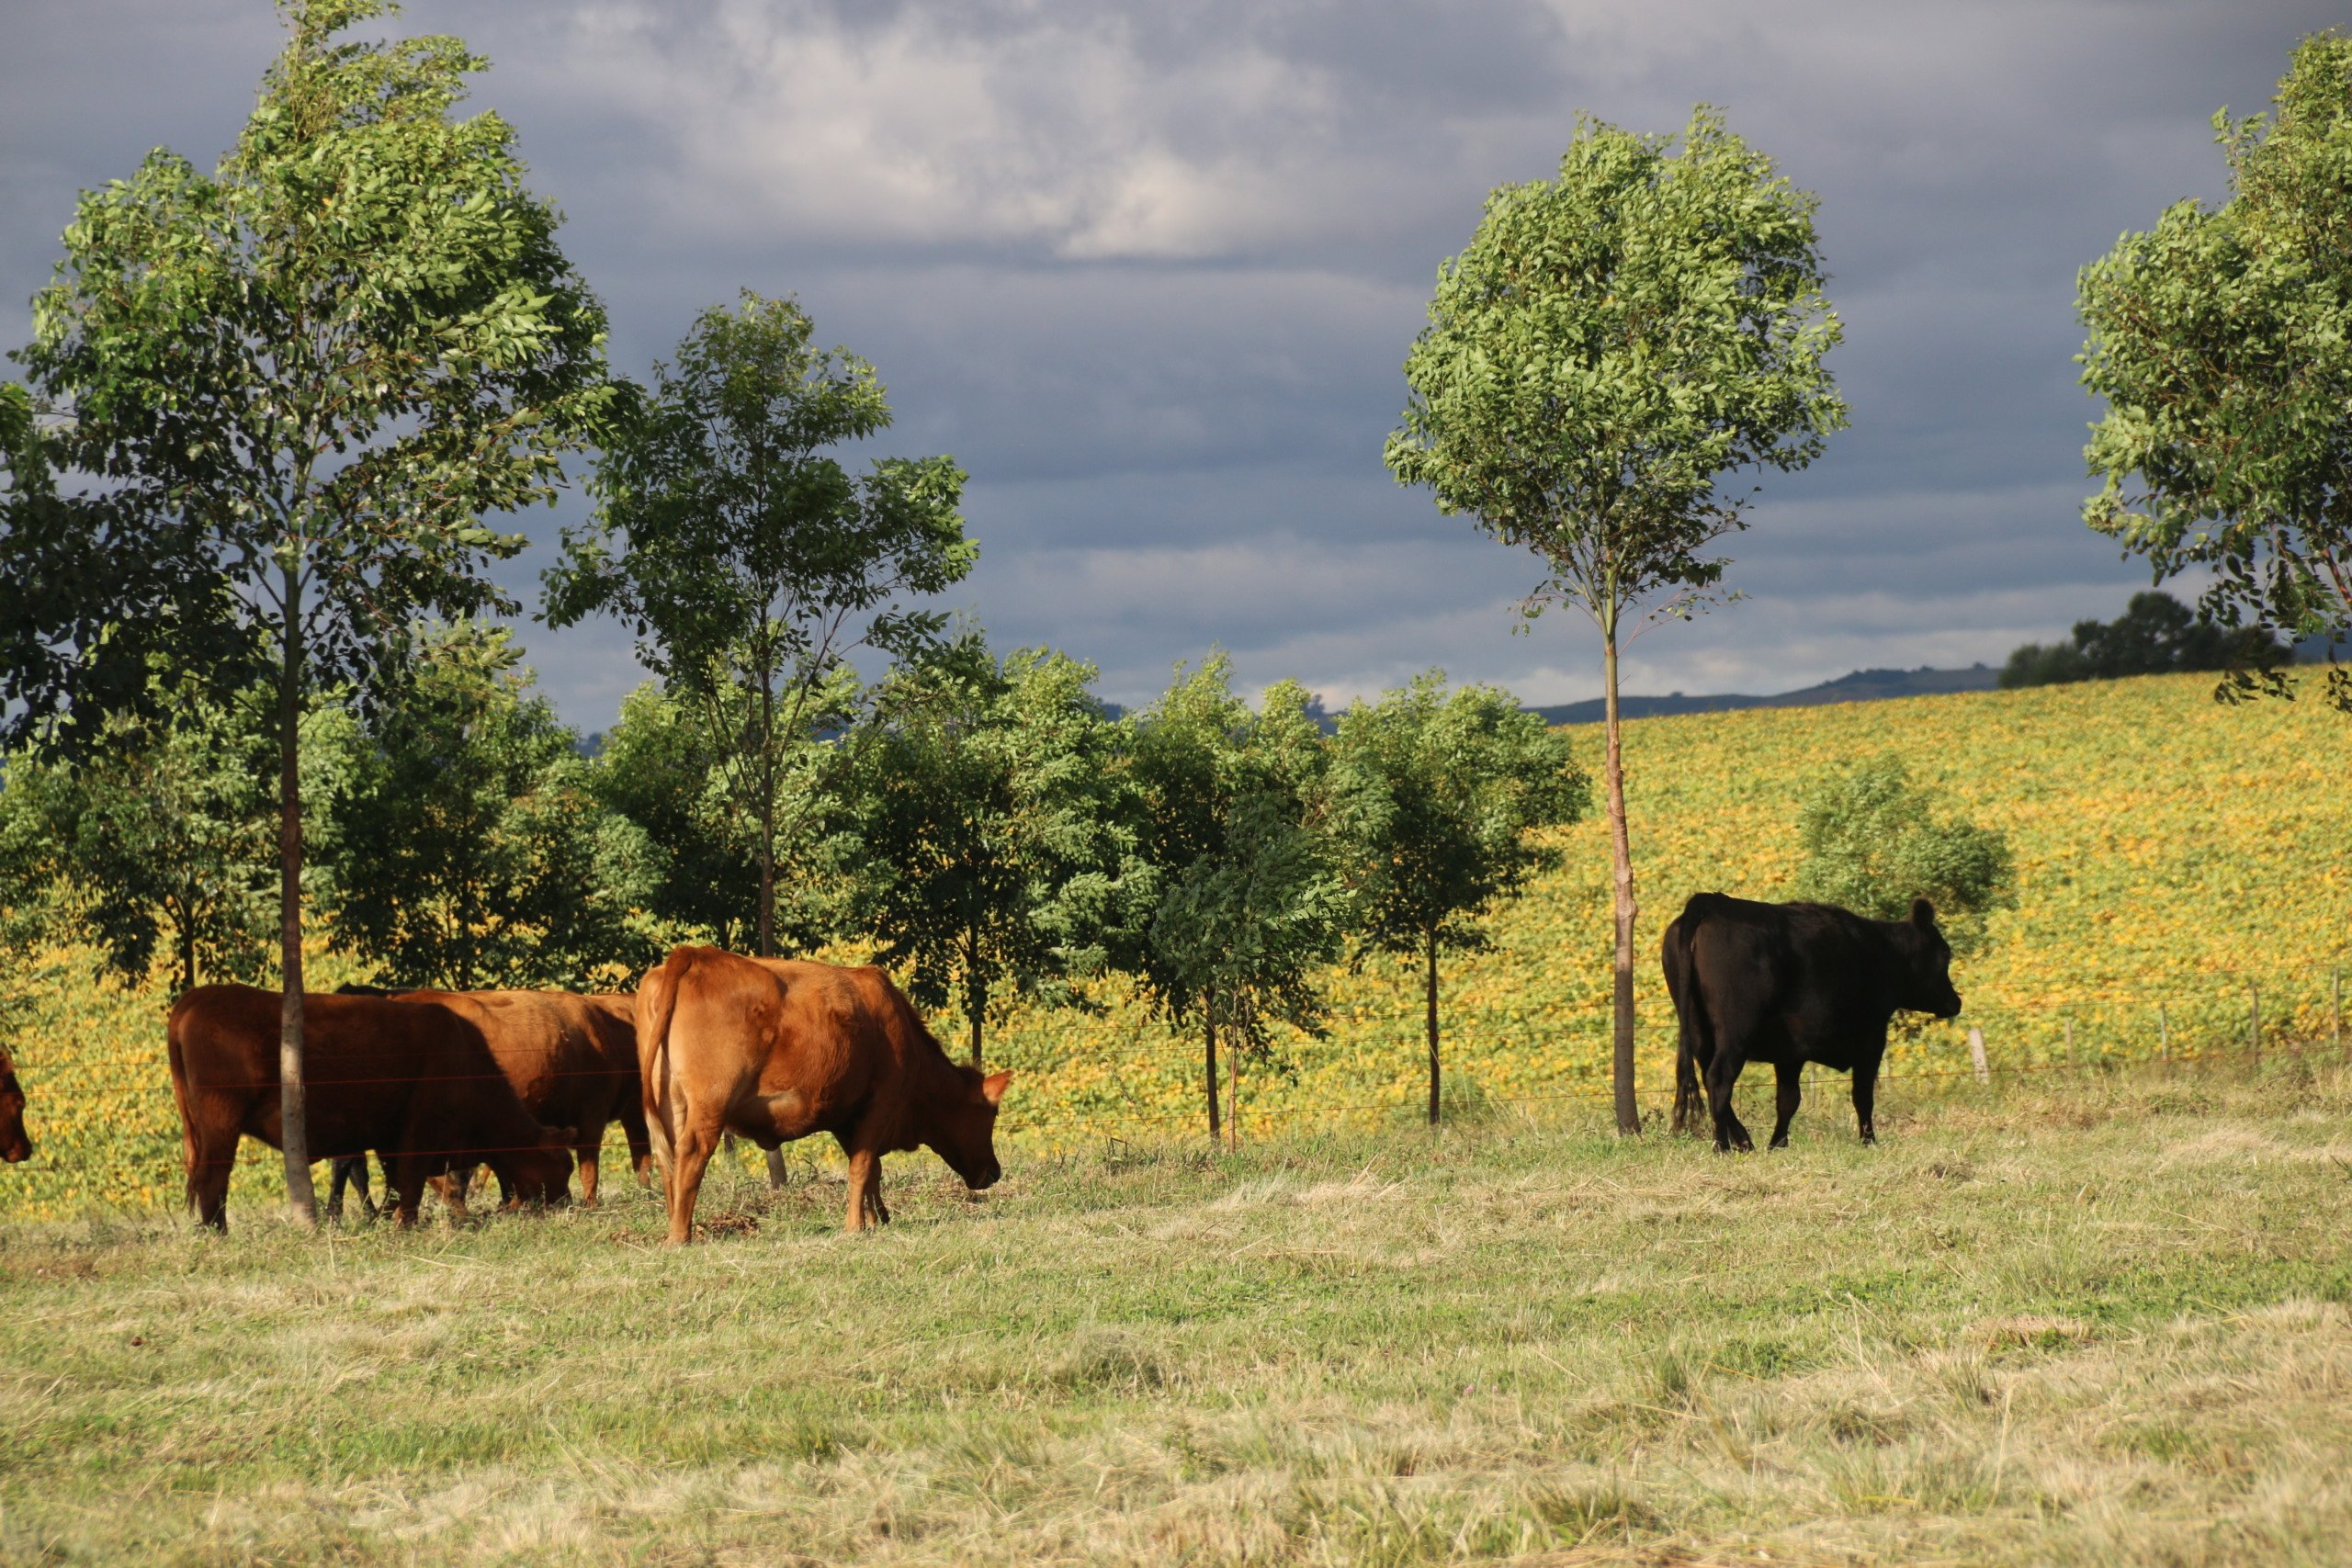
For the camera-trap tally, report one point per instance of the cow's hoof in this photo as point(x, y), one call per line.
point(1870, 1138)
point(1778, 1144)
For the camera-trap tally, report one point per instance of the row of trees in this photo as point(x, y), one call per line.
point(2156, 634)
point(984, 826)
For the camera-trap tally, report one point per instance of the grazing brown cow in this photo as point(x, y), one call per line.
point(417, 1082)
point(14, 1143)
point(571, 1060)
point(773, 1050)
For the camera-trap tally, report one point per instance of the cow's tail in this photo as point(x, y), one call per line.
point(178, 1064)
point(657, 1001)
point(1692, 1044)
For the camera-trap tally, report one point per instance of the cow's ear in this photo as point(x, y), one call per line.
point(992, 1087)
point(1923, 914)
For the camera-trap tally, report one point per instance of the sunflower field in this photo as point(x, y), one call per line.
point(2183, 891)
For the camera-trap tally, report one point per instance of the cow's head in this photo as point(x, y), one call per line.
point(1923, 982)
point(14, 1145)
point(541, 1175)
point(963, 1132)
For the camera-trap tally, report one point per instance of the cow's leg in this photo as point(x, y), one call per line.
point(404, 1187)
point(592, 1142)
point(210, 1158)
point(640, 1145)
point(1866, 1097)
point(690, 1154)
point(864, 1189)
point(340, 1170)
point(1723, 1077)
point(1792, 1085)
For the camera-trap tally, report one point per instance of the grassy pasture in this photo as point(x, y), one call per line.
point(2103, 1321)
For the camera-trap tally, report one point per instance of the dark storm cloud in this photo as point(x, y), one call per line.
point(1148, 273)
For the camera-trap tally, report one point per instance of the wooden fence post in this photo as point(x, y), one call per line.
point(2254, 1020)
point(1976, 1056)
point(2336, 1007)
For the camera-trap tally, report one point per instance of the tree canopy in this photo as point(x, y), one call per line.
point(469, 851)
point(1250, 898)
point(1436, 797)
point(997, 844)
point(2222, 342)
point(749, 561)
point(1874, 840)
point(2156, 634)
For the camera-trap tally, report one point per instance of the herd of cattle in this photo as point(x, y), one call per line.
point(434, 1084)
point(437, 1083)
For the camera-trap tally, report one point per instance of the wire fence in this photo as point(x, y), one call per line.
point(2234, 1018)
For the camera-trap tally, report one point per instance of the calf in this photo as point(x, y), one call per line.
point(1789, 984)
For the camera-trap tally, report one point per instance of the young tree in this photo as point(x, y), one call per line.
point(1250, 897)
point(2222, 340)
point(1874, 840)
point(1609, 344)
point(1435, 798)
point(305, 378)
point(750, 563)
point(469, 852)
point(998, 852)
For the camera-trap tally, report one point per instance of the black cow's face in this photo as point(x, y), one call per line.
point(1928, 986)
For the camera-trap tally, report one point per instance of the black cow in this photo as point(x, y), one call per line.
point(1789, 984)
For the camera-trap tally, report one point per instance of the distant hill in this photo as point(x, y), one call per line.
point(1861, 687)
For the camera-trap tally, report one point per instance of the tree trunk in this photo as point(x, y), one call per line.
point(767, 820)
point(1233, 1099)
point(1208, 1029)
point(1621, 851)
point(1432, 1000)
point(293, 1104)
point(975, 989)
point(187, 954)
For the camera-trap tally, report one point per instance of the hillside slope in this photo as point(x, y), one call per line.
point(2173, 852)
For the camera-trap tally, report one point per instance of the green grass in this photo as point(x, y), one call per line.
point(2101, 1321)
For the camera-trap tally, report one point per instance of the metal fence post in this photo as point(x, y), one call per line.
point(2164, 1035)
point(2254, 1020)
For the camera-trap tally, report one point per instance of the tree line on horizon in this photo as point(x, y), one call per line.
point(269, 410)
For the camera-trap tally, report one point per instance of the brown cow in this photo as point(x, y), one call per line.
point(571, 1060)
point(417, 1082)
point(15, 1144)
point(774, 1050)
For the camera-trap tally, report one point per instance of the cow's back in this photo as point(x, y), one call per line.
point(365, 1062)
point(841, 1039)
point(1809, 976)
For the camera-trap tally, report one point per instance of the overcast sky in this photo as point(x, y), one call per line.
point(1150, 271)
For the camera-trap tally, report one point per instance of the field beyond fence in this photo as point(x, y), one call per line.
point(2185, 892)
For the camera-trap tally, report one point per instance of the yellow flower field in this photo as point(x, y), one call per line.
point(2172, 853)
